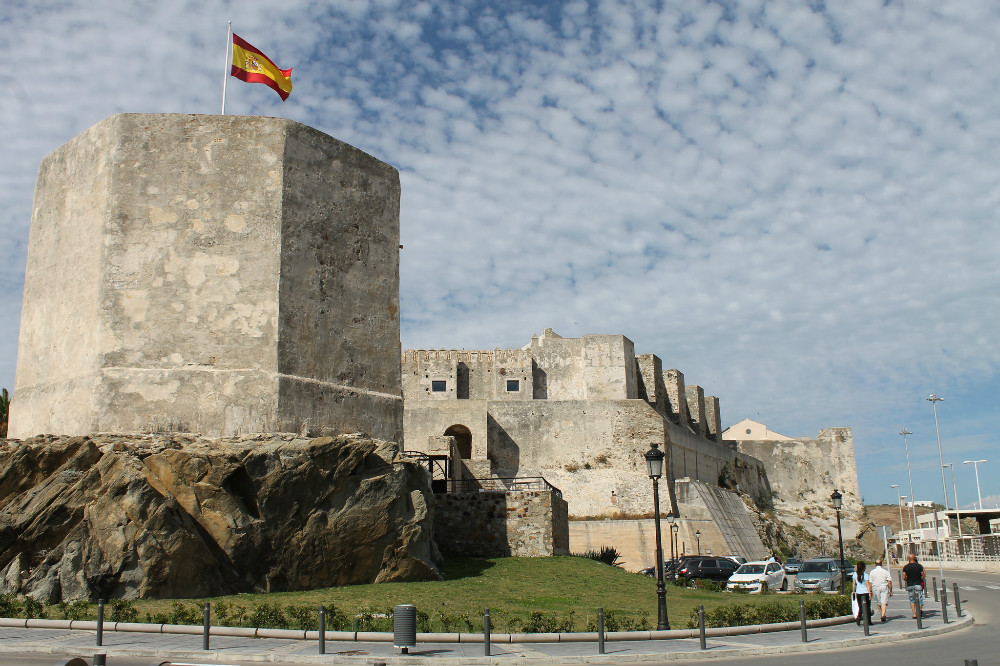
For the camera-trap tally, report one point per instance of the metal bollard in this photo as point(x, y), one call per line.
point(802, 618)
point(971, 662)
point(100, 622)
point(100, 659)
point(900, 574)
point(920, 615)
point(864, 608)
point(207, 625)
point(701, 626)
point(600, 631)
point(322, 629)
point(958, 601)
point(486, 632)
point(934, 585)
point(944, 604)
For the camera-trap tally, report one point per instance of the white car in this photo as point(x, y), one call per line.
point(752, 577)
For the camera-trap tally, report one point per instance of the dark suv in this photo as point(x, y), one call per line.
point(713, 568)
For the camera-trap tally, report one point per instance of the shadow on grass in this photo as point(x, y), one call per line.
point(455, 568)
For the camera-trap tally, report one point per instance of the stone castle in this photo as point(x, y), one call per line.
point(230, 275)
point(581, 412)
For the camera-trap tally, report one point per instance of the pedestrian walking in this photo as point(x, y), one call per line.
point(881, 586)
point(861, 593)
point(913, 577)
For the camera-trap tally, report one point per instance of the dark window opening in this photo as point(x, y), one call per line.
point(513, 384)
point(439, 385)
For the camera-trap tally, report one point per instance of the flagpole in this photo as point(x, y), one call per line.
point(225, 71)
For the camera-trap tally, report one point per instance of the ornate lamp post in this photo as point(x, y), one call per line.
point(675, 528)
point(697, 535)
point(673, 565)
point(654, 465)
point(837, 500)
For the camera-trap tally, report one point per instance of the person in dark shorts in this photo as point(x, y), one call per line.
point(913, 578)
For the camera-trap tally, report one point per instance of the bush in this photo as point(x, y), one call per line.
point(74, 610)
point(303, 617)
point(181, 614)
point(738, 615)
point(268, 615)
point(123, 611)
point(32, 609)
point(606, 554)
point(9, 605)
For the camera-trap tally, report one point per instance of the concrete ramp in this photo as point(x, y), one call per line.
point(721, 517)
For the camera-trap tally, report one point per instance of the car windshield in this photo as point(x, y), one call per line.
point(815, 567)
point(751, 569)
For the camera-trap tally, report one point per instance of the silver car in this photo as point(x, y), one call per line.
point(819, 574)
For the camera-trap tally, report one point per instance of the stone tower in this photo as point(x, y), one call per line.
point(213, 274)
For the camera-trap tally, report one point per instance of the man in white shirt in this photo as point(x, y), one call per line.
point(881, 582)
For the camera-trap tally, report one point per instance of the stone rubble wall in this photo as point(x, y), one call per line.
point(521, 523)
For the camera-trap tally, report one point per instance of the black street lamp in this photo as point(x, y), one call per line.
point(654, 465)
point(675, 528)
point(837, 500)
point(697, 535)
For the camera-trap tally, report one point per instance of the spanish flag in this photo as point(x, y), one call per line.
point(252, 66)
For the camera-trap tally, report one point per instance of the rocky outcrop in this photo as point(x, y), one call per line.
point(182, 516)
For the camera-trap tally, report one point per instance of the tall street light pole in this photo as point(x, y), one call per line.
point(958, 514)
point(975, 463)
point(654, 465)
point(934, 400)
point(837, 500)
point(913, 498)
point(899, 505)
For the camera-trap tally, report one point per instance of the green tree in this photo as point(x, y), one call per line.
point(4, 404)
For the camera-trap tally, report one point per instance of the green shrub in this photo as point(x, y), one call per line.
point(181, 614)
point(9, 605)
point(123, 610)
point(74, 610)
point(606, 555)
point(303, 617)
point(268, 615)
point(539, 623)
point(32, 609)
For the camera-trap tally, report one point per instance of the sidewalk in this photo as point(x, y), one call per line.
point(233, 650)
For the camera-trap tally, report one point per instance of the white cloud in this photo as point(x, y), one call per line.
point(796, 208)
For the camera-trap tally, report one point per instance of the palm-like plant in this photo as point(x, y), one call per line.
point(4, 404)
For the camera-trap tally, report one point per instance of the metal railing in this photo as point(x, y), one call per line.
point(975, 548)
point(497, 485)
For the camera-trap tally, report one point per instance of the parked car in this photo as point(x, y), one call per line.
point(669, 566)
point(819, 574)
point(792, 565)
point(753, 576)
point(711, 568)
point(846, 568)
point(739, 559)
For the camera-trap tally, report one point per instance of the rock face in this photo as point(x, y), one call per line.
point(180, 516)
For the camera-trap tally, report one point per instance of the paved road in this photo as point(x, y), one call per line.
point(980, 593)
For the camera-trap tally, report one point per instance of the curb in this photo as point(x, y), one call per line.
point(229, 657)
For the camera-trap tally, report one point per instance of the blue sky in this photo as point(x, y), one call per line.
point(793, 203)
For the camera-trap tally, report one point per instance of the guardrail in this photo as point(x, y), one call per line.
point(974, 548)
point(502, 485)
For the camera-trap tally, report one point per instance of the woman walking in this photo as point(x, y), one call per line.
point(862, 592)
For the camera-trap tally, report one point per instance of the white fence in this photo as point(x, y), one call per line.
point(976, 548)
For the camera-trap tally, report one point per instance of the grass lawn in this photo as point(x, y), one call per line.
point(523, 594)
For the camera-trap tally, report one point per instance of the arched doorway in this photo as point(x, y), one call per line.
point(463, 440)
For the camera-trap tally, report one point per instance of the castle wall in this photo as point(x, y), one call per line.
point(520, 523)
point(232, 274)
point(803, 472)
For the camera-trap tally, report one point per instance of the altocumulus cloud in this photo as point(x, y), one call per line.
point(793, 204)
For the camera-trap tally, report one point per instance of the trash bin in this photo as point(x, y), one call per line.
point(404, 627)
